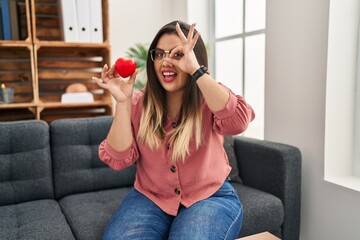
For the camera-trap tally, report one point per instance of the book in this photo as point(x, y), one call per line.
point(5, 12)
point(96, 28)
point(82, 97)
point(1, 25)
point(68, 20)
point(14, 20)
point(83, 17)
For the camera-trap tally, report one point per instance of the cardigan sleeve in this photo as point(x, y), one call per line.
point(118, 160)
point(235, 117)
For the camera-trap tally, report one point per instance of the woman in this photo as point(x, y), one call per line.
point(174, 130)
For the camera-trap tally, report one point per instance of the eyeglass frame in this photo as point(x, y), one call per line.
point(163, 55)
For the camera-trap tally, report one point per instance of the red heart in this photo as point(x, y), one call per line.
point(125, 67)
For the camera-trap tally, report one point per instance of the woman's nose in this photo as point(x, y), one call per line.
point(166, 63)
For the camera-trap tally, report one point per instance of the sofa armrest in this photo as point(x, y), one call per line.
point(274, 168)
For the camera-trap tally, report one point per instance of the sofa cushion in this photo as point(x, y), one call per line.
point(41, 219)
point(89, 213)
point(230, 152)
point(262, 211)
point(76, 164)
point(25, 164)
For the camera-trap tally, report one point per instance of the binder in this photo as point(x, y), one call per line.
point(68, 20)
point(23, 30)
point(83, 17)
point(5, 12)
point(96, 24)
point(14, 20)
point(1, 25)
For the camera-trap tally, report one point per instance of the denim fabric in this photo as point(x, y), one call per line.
point(217, 217)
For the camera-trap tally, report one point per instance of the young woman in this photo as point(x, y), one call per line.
point(174, 130)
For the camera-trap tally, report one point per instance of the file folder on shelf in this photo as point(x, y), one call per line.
point(1, 26)
point(14, 20)
point(83, 16)
point(68, 20)
point(5, 12)
point(96, 24)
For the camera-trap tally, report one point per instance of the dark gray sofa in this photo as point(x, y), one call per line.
point(53, 185)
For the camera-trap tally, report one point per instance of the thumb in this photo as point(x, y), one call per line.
point(133, 77)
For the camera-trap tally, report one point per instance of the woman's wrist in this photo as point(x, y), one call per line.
point(199, 72)
point(123, 104)
point(194, 69)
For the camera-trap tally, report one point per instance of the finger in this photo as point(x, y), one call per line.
point(104, 71)
point(99, 82)
point(191, 32)
point(112, 71)
point(177, 49)
point(194, 41)
point(172, 61)
point(132, 78)
point(180, 33)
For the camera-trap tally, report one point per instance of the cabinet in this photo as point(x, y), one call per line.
point(40, 66)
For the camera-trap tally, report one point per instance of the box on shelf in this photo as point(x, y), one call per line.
point(6, 95)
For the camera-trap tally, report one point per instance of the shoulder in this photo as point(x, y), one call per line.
point(137, 103)
point(137, 97)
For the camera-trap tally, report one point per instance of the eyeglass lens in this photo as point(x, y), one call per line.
point(158, 55)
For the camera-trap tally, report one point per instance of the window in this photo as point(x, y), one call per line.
point(357, 107)
point(239, 56)
point(342, 107)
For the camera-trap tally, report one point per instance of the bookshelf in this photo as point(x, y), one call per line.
point(40, 66)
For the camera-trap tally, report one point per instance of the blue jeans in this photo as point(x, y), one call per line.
point(217, 217)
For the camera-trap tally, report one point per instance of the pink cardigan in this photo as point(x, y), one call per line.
point(168, 185)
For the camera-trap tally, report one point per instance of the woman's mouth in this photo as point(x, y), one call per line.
point(169, 76)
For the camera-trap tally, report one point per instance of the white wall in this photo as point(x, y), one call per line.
point(296, 59)
point(137, 21)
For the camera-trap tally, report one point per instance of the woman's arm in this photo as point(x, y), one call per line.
point(215, 95)
point(120, 136)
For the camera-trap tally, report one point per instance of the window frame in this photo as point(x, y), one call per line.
point(244, 35)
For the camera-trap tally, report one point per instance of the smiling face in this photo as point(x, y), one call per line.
point(171, 78)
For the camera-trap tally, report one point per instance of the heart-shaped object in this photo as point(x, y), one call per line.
point(125, 67)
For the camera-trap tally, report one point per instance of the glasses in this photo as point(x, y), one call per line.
point(157, 55)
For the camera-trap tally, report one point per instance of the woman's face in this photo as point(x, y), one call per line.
point(171, 78)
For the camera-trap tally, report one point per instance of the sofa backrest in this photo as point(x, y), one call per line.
point(74, 151)
point(25, 163)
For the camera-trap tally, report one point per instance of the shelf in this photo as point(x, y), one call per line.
point(46, 21)
point(70, 44)
point(72, 105)
point(51, 114)
point(16, 71)
point(16, 105)
point(18, 43)
point(40, 66)
point(16, 114)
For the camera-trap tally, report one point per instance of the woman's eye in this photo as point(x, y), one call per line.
point(159, 54)
point(178, 55)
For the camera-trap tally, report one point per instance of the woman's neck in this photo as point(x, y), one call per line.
point(174, 101)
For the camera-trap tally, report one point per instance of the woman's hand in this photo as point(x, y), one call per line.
point(120, 89)
point(188, 63)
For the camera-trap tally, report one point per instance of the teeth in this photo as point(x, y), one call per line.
point(168, 73)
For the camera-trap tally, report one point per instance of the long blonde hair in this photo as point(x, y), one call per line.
point(154, 112)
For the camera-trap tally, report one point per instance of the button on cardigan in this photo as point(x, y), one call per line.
point(204, 170)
